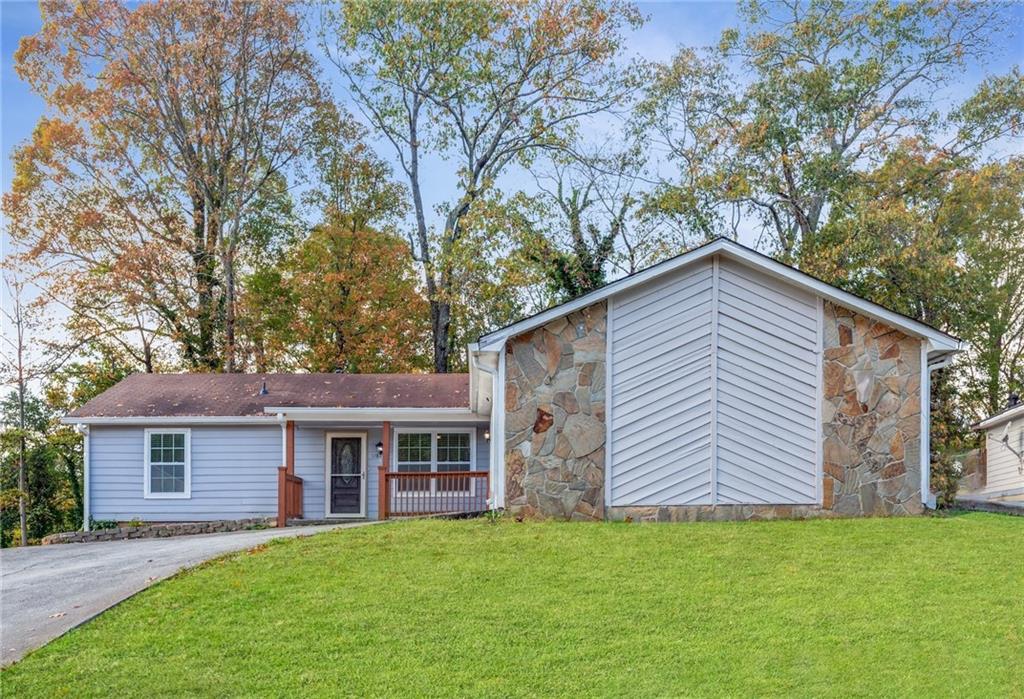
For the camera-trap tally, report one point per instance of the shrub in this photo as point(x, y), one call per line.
point(946, 474)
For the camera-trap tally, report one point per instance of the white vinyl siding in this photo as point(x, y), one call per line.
point(661, 391)
point(715, 382)
point(1003, 470)
point(767, 389)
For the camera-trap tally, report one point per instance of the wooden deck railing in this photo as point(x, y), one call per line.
point(431, 493)
point(289, 496)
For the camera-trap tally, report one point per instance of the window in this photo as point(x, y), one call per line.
point(168, 472)
point(453, 455)
point(414, 456)
point(437, 452)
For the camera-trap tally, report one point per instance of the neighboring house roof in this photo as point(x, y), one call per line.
point(1017, 411)
point(238, 395)
point(723, 246)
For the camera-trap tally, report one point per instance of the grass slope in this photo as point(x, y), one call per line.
point(875, 607)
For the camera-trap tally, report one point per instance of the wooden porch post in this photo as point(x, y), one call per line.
point(382, 481)
point(282, 496)
point(289, 454)
point(284, 471)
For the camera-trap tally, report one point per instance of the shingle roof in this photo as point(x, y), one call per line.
point(159, 395)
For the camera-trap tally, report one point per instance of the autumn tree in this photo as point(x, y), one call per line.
point(358, 307)
point(485, 85)
point(166, 121)
point(828, 89)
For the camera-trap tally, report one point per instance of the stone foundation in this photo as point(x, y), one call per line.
point(715, 513)
point(555, 418)
point(164, 529)
point(871, 417)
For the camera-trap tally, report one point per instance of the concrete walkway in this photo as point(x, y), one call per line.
point(1013, 505)
point(47, 590)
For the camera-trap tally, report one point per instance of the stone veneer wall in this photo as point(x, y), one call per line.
point(871, 417)
point(555, 418)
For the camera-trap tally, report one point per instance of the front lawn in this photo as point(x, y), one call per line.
point(875, 607)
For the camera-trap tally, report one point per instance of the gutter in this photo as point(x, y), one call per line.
point(170, 420)
point(86, 509)
point(492, 462)
point(374, 414)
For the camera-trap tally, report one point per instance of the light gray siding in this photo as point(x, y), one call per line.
point(1003, 471)
point(234, 474)
point(767, 389)
point(661, 391)
point(714, 390)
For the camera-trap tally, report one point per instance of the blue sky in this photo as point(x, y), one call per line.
point(670, 25)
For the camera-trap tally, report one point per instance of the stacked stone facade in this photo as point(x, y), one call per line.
point(555, 418)
point(871, 417)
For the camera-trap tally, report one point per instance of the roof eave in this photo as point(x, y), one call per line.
point(940, 341)
point(1000, 418)
point(378, 414)
point(167, 419)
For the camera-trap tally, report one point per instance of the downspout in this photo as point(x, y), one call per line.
point(86, 510)
point(492, 499)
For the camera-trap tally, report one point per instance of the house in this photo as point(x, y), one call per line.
point(719, 383)
point(1002, 473)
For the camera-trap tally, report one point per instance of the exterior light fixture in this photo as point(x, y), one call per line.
point(380, 448)
point(487, 435)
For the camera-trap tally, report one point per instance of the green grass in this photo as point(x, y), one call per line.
point(873, 607)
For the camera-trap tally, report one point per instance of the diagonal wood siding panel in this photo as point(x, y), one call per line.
point(661, 391)
point(767, 390)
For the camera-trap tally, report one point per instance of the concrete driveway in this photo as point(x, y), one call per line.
point(47, 590)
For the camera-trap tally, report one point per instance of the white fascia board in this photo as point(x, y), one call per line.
point(494, 341)
point(1002, 417)
point(940, 341)
point(173, 420)
point(379, 414)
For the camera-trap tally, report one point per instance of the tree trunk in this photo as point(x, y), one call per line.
point(440, 325)
point(22, 476)
point(203, 261)
point(229, 311)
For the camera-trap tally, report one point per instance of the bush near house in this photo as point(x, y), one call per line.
point(864, 607)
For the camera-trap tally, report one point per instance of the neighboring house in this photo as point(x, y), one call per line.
point(1002, 474)
point(719, 383)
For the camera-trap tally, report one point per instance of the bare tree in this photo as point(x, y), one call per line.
point(486, 84)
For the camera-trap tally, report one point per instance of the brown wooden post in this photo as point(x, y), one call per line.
point(382, 481)
point(282, 496)
point(289, 453)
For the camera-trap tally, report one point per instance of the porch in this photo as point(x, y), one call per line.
point(382, 470)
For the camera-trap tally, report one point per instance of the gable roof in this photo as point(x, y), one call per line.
point(740, 253)
point(238, 395)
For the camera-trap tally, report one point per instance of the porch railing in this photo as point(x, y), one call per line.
point(289, 496)
point(431, 493)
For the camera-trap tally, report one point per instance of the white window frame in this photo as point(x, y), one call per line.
point(146, 471)
point(434, 431)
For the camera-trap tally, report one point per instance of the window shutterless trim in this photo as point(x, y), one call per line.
point(147, 465)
